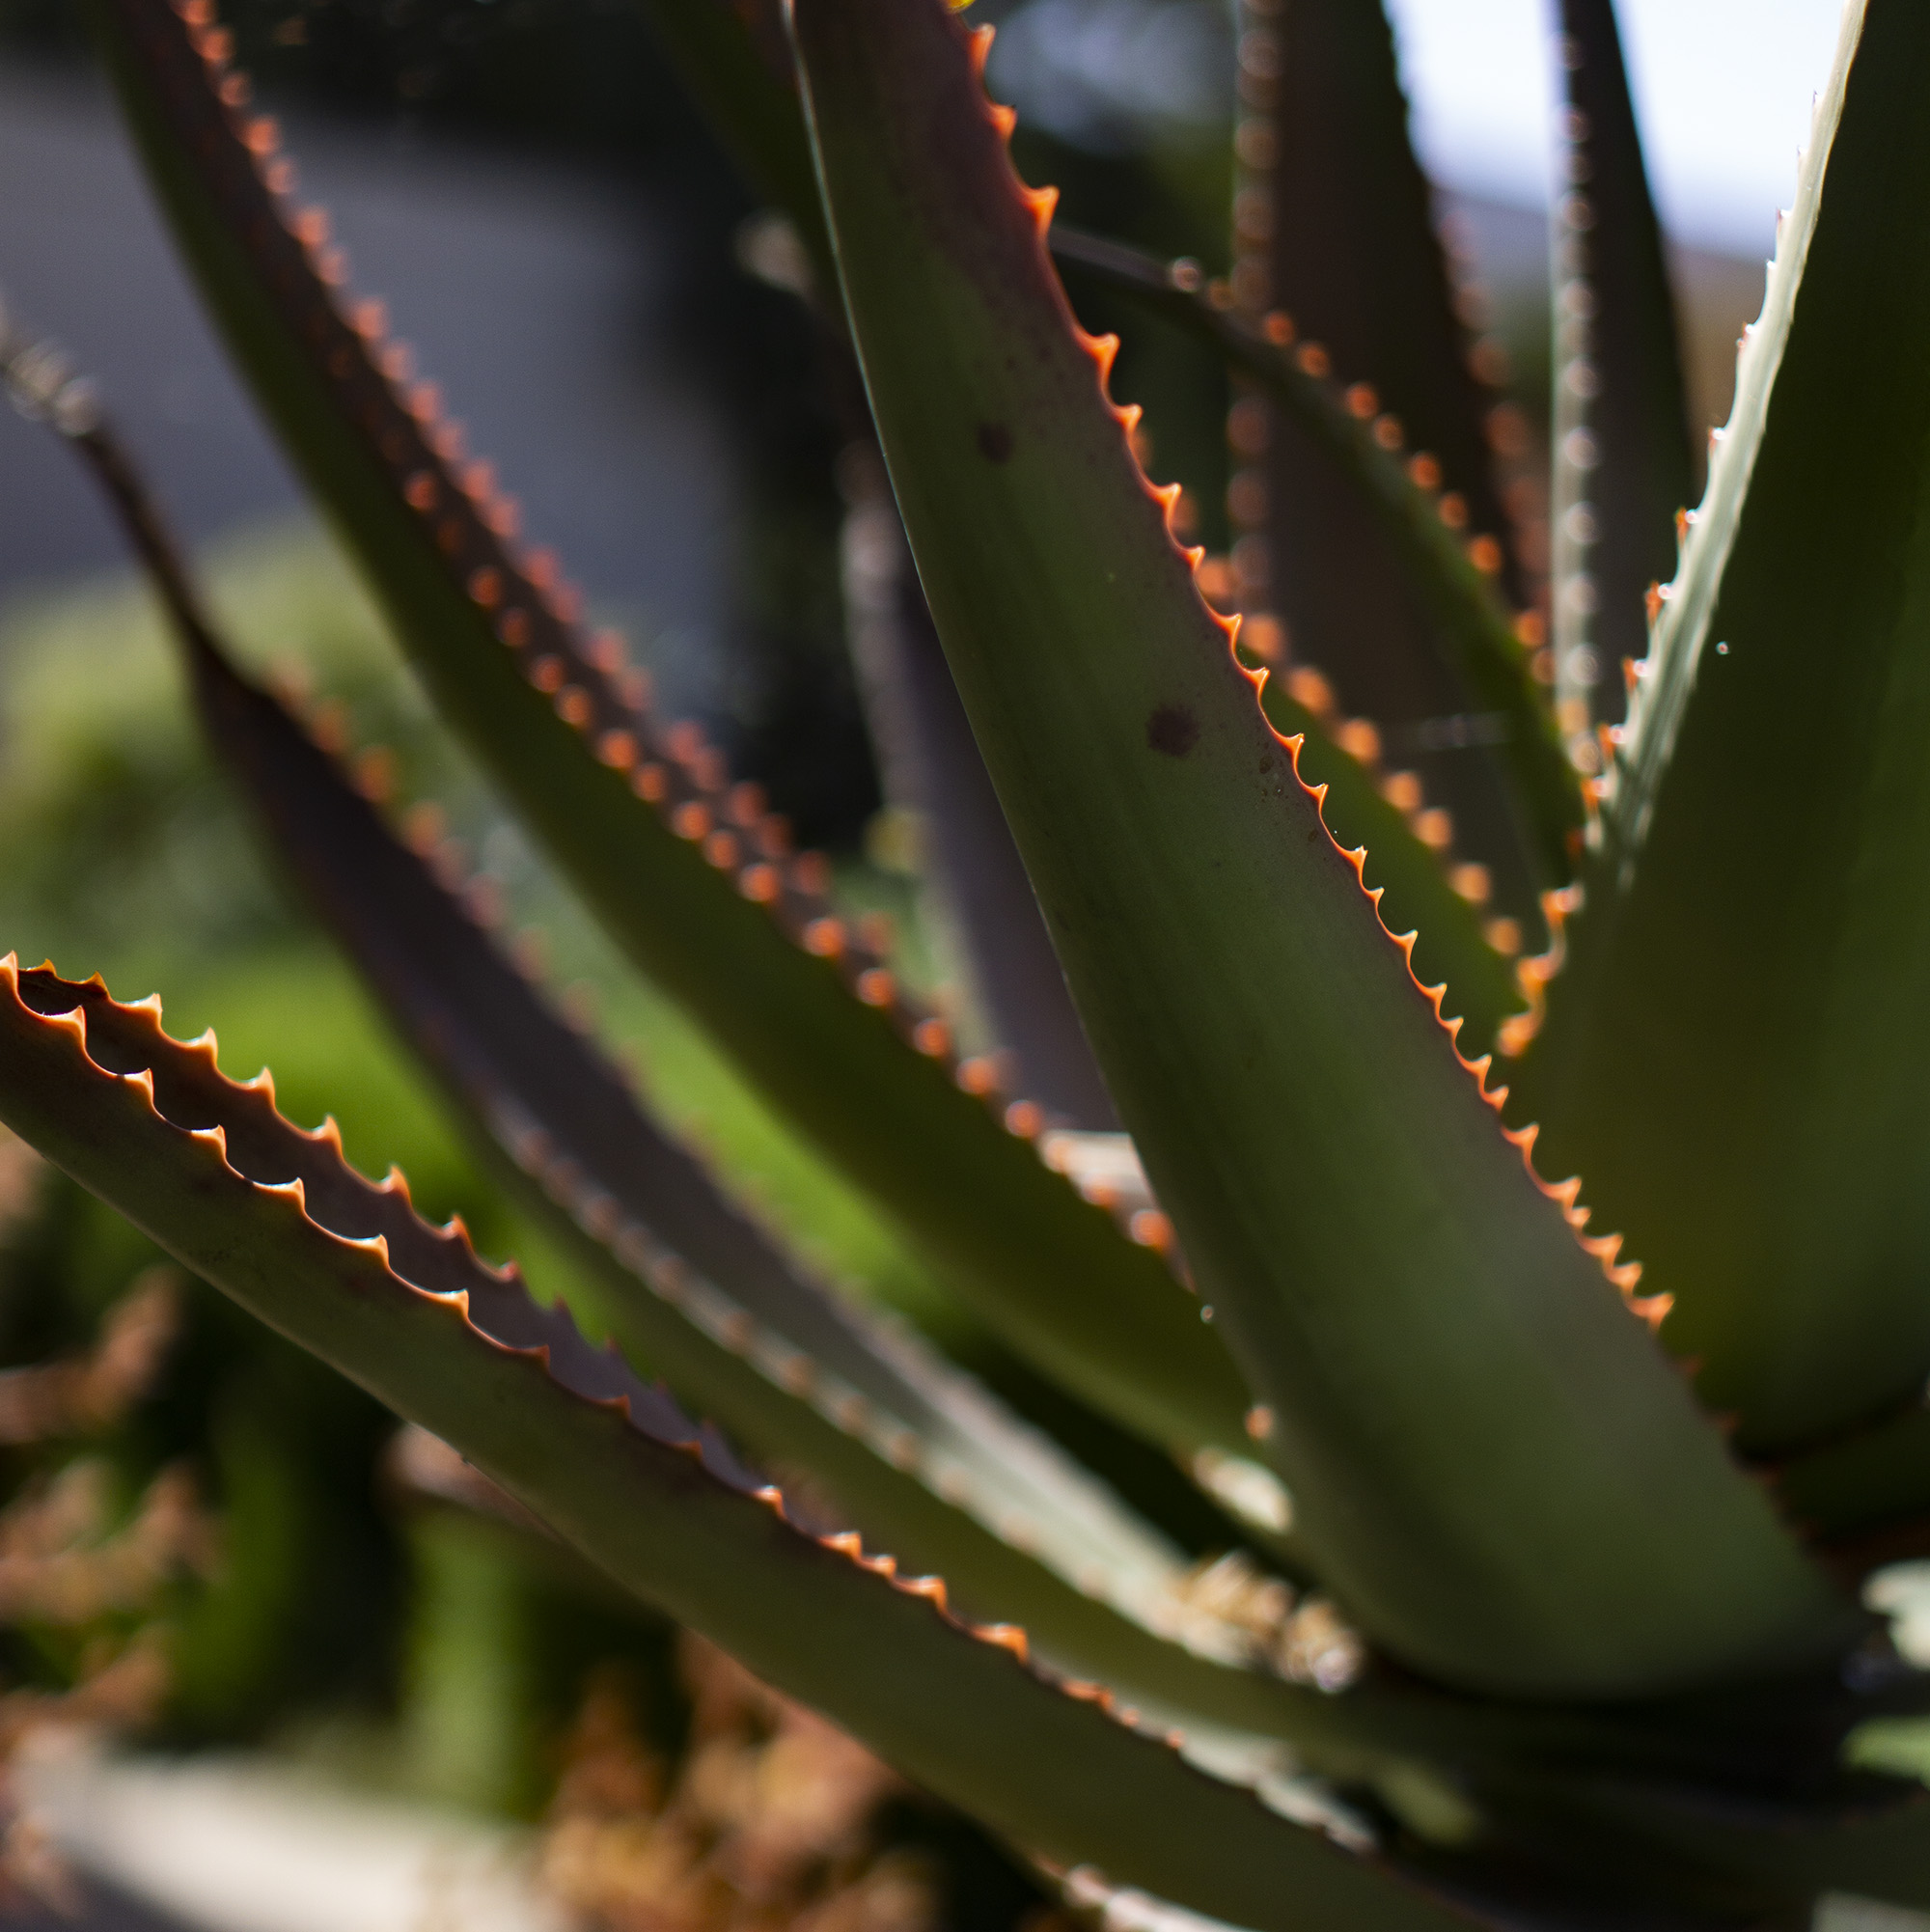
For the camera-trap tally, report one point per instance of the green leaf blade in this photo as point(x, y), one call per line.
point(1411, 1306)
point(931, 768)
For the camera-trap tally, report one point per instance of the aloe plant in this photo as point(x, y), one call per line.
point(1582, 1475)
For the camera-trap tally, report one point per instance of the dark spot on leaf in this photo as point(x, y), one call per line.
point(1173, 730)
point(995, 442)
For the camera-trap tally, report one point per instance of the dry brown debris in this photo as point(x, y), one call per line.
point(59, 1564)
point(66, 1563)
point(82, 1395)
point(1304, 1638)
point(768, 1824)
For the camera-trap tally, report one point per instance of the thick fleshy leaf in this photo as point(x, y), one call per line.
point(1623, 465)
point(273, 1216)
point(1494, 1464)
point(1332, 226)
point(911, 1449)
point(685, 870)
point(1418, 526)
point(882, 1425)
point(277, 1220)
point(1737, 1057)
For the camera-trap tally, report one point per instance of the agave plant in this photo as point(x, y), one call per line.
point(1592, 1469)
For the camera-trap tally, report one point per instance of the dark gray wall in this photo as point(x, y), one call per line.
point(528, 290)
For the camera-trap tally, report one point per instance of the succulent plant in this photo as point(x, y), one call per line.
point(1581, 1476)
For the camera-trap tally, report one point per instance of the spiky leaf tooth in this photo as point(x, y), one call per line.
point(1333, 226)
point(508, 1064)
point(685, 870)
point(345, 1267)
point(489, 1036)
point(1623, 464)
point(278, 1221)
point(921, 1456)
point(1737, 1055)
point(884, 1426)
point(1494, 1466)
point(1390, 482)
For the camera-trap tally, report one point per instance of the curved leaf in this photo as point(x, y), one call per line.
point(278, 1221)
point(1415, 1310)
point(918, 1454)
point(573, 1139)
point(685, 870)
point(794, 1372)
point(919, 1457)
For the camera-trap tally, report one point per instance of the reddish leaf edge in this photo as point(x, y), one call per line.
point(534, 611)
